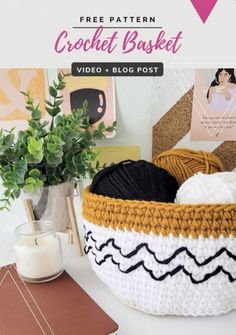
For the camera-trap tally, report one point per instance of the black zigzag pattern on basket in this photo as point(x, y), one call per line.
point(179, 268)
point(145, 245)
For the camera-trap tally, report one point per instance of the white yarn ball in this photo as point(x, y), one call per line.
point(213, 188)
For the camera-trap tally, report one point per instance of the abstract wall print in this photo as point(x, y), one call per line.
point(97, 91)
point(214, 105)
point(12, 102)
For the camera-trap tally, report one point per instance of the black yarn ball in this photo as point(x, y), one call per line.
point(135, 180)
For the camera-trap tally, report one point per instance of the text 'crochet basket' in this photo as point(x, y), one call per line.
point(164, 258)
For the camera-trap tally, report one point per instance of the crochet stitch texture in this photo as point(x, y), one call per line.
point(207, 220)
point(164, 258)
point(183, 163)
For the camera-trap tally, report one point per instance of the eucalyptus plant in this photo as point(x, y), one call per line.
point(48, 154)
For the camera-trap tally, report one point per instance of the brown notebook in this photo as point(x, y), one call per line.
point(58, 307)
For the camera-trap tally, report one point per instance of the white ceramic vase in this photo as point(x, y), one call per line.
point(49, 203)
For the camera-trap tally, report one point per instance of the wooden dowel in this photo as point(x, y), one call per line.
point(70, 238)
point(69, 232)
point(71, 211)
point(29, 210)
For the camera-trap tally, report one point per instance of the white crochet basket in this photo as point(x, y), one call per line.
point(164, 258)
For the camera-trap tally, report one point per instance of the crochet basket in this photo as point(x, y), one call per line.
point(163, 258)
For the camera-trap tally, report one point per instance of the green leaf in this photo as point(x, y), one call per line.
point(101, 126)
point(35, 147)
point(48, 103)
point(52, 147)
point(60, 76)
point(44, 124)
point(29, 101)
point(58, 102)
point(31, 159)
point(19, 171)
point(56, 111)
point(9, 183)
point(59, 154)
point(35, 173)
point(109, 129)
point(53, 161)
point(67, 146)
point(36, 114)
point(59, 120)
point(52, 91)
point(3, 148)
point(49, 110)
point(31, 184)
point(16, 193)
point(9, 139)
point(7, 193)
point(98, 135)
point(24, 93)
point(61, 86)
point(88, 135)
point(29, 108)
point(53, 111)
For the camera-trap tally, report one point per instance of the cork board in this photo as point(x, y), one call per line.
point(175, 124)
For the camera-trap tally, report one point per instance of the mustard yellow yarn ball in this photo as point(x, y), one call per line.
point(183, 163)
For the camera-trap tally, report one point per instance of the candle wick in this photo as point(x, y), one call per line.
point(35, 240)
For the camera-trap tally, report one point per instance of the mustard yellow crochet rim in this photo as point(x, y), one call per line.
point(206, 220)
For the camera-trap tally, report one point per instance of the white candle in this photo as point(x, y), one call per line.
point(39, 257)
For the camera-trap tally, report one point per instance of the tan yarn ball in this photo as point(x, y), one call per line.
point(184, 163)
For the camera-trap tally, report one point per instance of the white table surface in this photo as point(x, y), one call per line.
point(130, 321)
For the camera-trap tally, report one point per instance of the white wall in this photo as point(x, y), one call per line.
point(135, 103)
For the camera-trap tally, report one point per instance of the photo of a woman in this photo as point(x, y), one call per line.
point(224, 84)
point(214, 105)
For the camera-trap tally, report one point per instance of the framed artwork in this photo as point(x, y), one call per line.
point(12, 102)
point(214, 105)
point(97, 91)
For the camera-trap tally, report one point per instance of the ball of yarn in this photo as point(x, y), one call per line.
point(184, 163)
point(135, 180)
point(208, 189)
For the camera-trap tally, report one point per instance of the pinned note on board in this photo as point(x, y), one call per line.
point(115, 154)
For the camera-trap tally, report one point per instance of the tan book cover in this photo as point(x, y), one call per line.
point(58, 307)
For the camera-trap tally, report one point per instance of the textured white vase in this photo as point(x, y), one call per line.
point(49, 203)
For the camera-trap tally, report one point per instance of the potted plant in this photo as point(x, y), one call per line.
point(44, 161)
